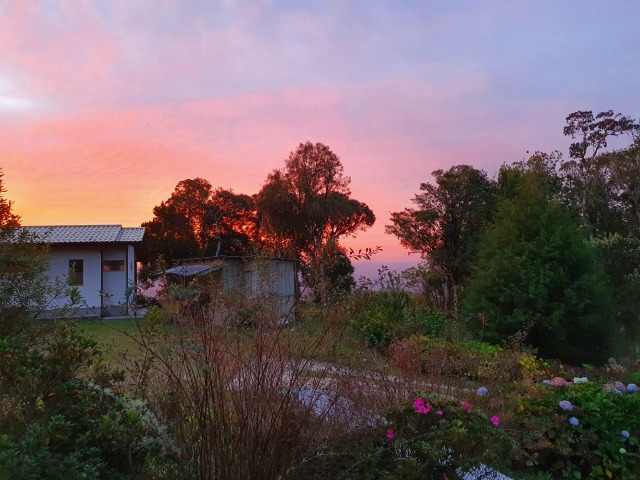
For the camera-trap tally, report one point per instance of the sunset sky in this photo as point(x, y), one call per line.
point(106, 105)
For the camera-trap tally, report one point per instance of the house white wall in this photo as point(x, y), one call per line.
point(112, 284)
point(92, 269)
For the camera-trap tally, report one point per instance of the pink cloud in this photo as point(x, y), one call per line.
point(114, 165)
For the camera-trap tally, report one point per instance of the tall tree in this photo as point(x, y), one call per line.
point(618, 239)
point(535, 272)
point(605, 186)
point(24, 285)
point(448, 217)
point(307, 207)
point(231, 224)
point(8, 219)
point(588, 172)
point(200, 221)
point(625, 179)
point(177, 229)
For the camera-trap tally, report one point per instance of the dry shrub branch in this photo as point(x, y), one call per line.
point(248, 402)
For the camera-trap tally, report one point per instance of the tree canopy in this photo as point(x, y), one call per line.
point(307, 207)
point(536, 273)
point(197, 220)
point(592, 175)
point(7, 218)
point(449, 215)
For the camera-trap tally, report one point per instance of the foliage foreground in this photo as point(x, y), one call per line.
point(62, 418)
point(207, 402)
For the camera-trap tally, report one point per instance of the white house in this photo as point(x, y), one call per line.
point(99, 260)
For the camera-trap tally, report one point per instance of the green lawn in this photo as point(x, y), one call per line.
point(309, 338)
point(112, 336)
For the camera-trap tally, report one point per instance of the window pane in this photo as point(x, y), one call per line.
point(113, 266)
point(76, 273)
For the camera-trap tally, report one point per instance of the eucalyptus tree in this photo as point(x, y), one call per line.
point(306, 208)
point(591, 171)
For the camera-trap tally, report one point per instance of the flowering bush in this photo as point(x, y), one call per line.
point(437, 437)
point(581, 431)
point(431, 437)
point(615, 387)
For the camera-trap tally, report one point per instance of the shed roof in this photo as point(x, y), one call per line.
point(87, 234)
point(191, 270)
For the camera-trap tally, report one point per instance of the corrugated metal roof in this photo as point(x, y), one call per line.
point(191, 270)
point(87, 234)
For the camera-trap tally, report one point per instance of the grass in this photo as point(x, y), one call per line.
point(333, 343)
point(110, 334)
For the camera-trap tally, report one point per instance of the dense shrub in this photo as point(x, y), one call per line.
point(620, 256)
point(469, 360)
point(535, 272)
point(62, 418)
point(381, 317)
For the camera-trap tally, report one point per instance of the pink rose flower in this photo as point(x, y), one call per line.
point(420, 407)
point(390, 433)
point(495, 420)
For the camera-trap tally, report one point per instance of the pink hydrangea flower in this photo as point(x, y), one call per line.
point(466, 405)
point(439, 412)
point(558, 382)
point(495, 420)
point(390, 433)
point(419, 402)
